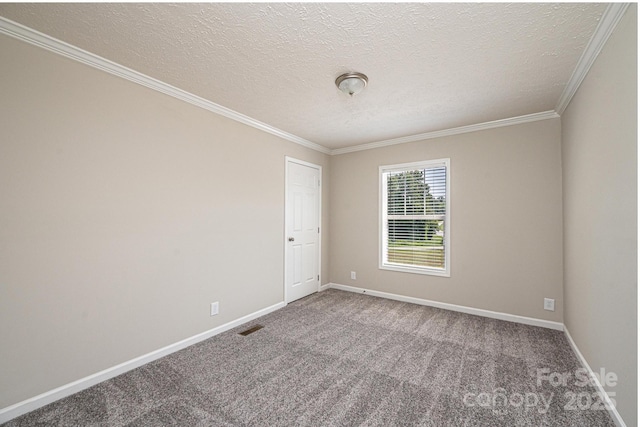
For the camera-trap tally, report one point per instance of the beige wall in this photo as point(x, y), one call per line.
point(123, 214)
point(506, 220)
point(599, 160)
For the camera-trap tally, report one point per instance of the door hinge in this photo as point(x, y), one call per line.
point(318, 230)
point(318, 277)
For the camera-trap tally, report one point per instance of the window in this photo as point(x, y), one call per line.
point(414, 217)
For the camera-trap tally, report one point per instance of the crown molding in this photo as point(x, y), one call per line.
point(36, 38)
point(545, 115)
point(608, 22)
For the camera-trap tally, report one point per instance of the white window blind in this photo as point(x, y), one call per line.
point(415, 217)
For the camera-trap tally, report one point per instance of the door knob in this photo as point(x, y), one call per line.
point(291, 239)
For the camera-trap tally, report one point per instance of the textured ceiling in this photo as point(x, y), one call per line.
point(430, 66)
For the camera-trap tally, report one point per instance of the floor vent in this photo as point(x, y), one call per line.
point(251, 330)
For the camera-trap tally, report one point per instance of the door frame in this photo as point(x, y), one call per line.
point(288, 160)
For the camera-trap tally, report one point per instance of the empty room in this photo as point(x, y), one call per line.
point(318, 214)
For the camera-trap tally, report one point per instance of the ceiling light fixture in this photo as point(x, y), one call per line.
point(352, 83)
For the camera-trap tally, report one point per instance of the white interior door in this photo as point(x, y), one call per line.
point(302, 229)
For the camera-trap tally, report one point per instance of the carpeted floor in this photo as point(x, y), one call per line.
point(343, 359)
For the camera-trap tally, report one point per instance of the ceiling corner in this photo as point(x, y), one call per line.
point(607, 25)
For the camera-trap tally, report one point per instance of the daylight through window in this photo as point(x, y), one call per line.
point(415, 217)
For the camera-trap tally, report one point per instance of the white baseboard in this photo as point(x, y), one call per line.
point(615, 415)
point(453, 307)
point(613, 412)
point(21, 408)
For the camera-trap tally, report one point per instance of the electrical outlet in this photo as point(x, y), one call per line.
point(550, 304)
point(214, 308)
point(353, 275)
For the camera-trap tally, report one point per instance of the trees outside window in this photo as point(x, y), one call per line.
point(415, 217)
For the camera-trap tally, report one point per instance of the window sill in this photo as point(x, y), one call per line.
point(415, 270)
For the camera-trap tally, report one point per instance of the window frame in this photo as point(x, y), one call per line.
point(382, 215)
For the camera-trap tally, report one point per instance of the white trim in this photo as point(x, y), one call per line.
point(545, 115)
point(608, 22)
point(28, 405)
point(323, 287)
point(36, 38)
point(613, 412)
point(453, 307)
point(288, 160)
point(382, 209)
